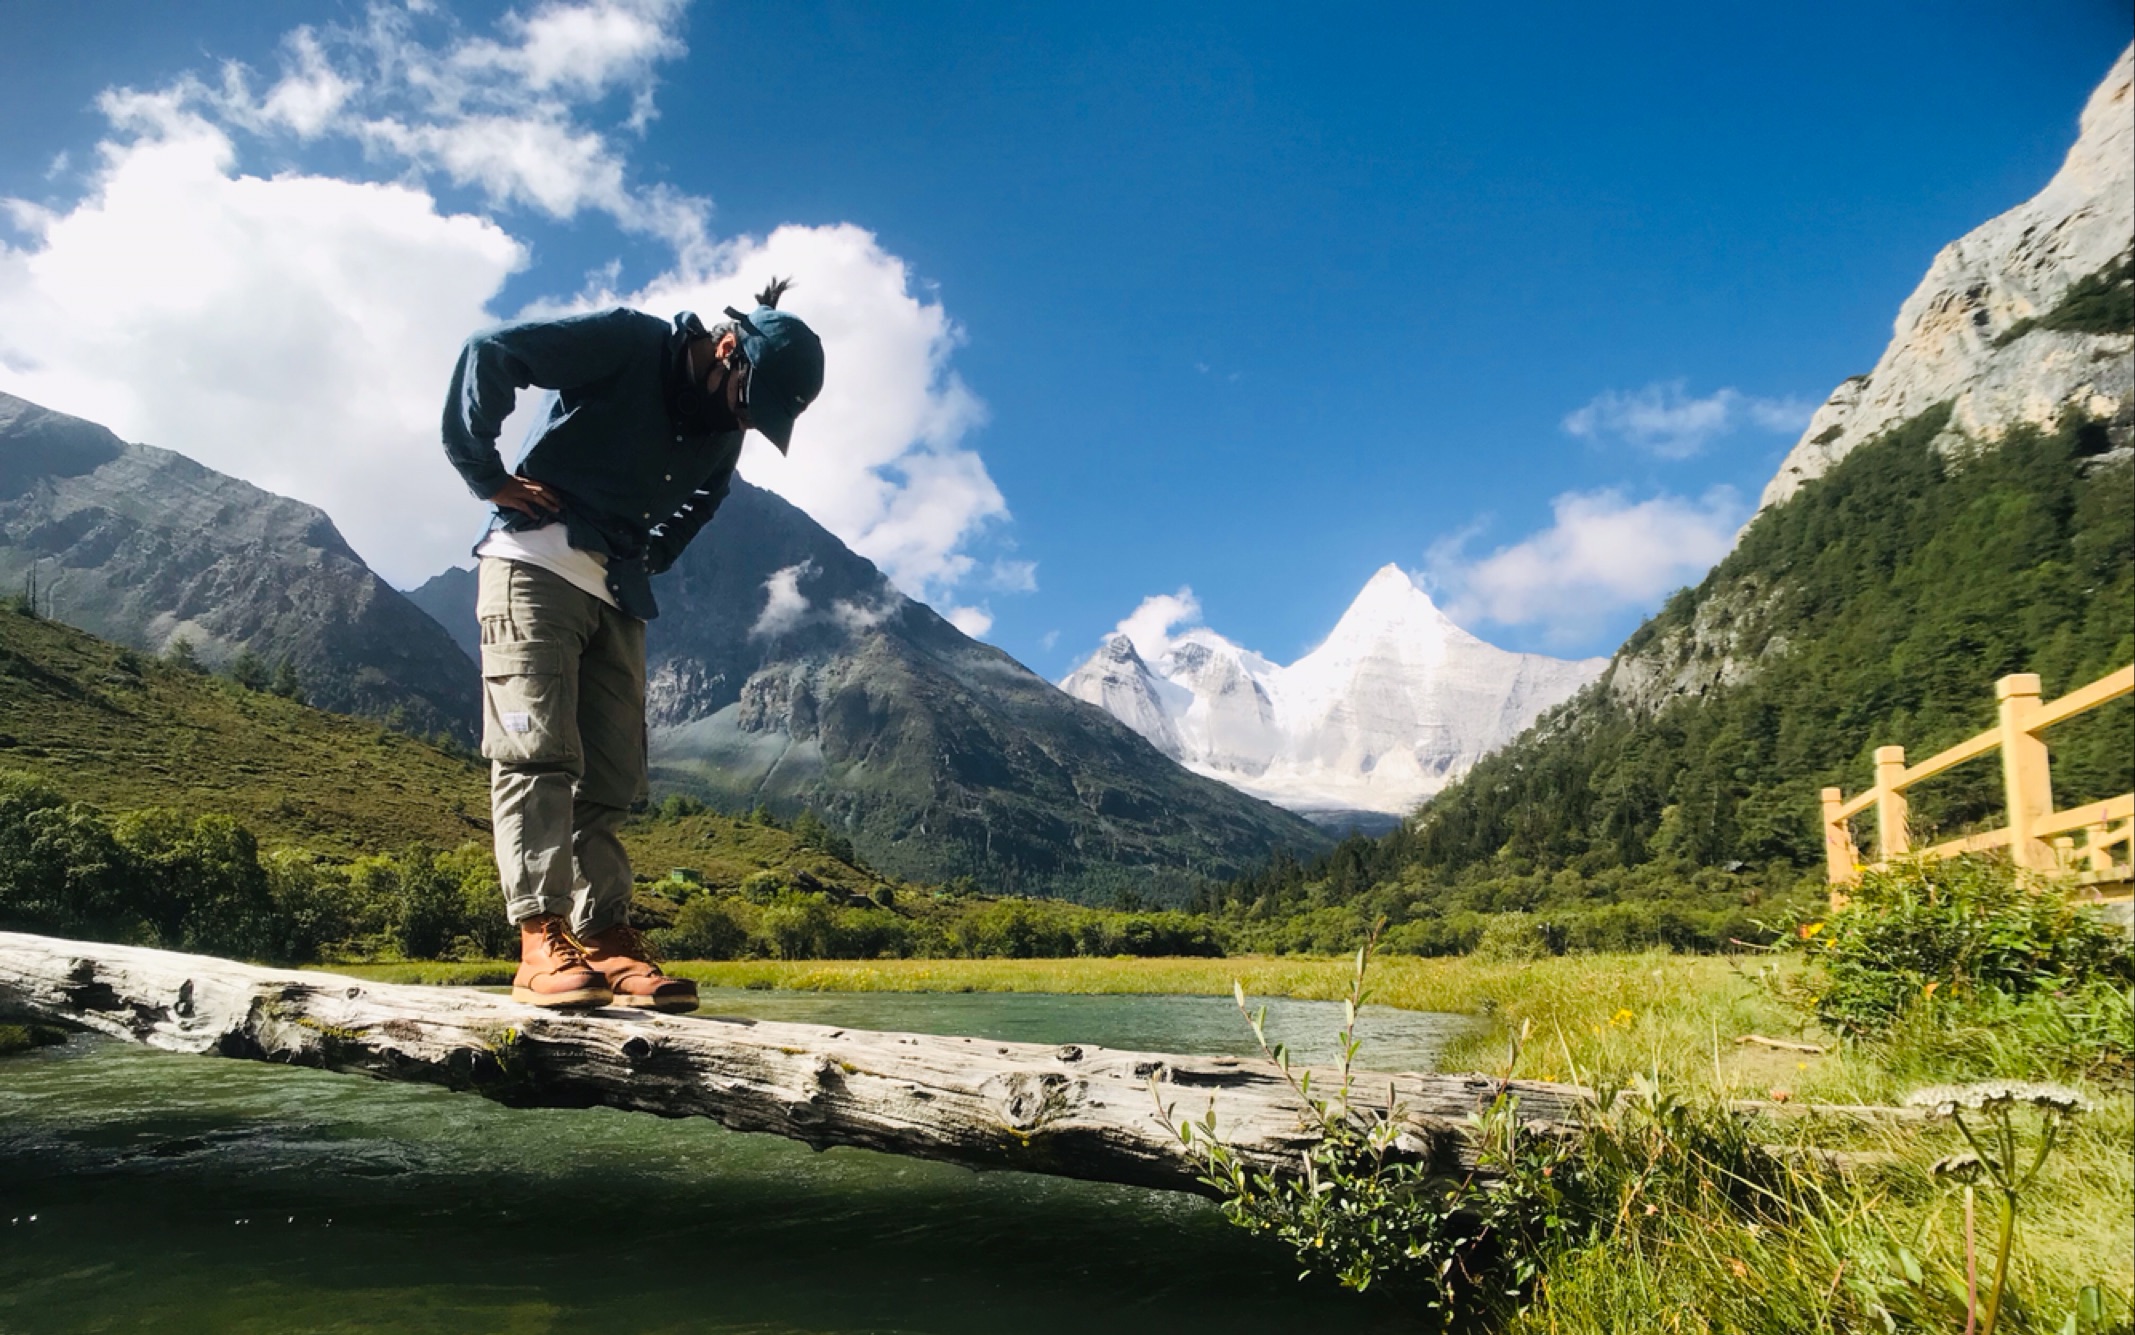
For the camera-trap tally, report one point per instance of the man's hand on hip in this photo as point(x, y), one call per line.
point(529, 498)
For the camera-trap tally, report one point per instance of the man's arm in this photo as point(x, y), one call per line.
point(497, 363)
point(675, 532)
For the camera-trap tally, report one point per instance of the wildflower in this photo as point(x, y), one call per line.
point(1962, 1167)
point(1946, 1100)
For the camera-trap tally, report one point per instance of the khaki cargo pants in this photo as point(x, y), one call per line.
point(563, 727)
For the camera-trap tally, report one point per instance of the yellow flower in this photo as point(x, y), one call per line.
point(1622, 1017)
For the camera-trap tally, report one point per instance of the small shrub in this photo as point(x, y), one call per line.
point(1365, 1212)
point(762, 887)
point(1951, 933)
point(704, 929)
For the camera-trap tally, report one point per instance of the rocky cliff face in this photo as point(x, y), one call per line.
point(1397, 703)
point(1978, 332)
point(785, 669)
point(2022, 322)
point(141, 546)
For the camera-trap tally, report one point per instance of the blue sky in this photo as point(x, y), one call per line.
point(1121, 299)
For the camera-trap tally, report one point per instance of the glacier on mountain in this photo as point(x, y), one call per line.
point(1395, 704)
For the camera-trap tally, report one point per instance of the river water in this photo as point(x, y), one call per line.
point(146, 1191)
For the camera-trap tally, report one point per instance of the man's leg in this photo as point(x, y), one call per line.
point(533, 627)
point(611, 728)
point(611, 722)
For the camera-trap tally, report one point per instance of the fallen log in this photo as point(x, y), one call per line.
point(1784, 1045)
point(1070, 1110)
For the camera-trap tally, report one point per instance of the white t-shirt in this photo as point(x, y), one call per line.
point(549, 547)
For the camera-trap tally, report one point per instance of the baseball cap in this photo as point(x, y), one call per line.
point(785, 369)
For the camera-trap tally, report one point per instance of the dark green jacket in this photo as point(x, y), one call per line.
point(639, 472)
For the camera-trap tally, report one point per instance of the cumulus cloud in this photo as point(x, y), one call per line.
point(785, 606)
point(1603, 553)
point(293, 331)
point(973, 621)
point(1663, 419)
point(584, 48)
point(1151, 623)
point(296, 329)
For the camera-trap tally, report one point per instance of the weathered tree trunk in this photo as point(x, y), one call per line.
point(1071, 1110)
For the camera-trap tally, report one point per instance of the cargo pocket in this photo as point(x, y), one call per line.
point(526, 706)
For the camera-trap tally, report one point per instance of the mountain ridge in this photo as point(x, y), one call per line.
point(144, 546)
point(1393, 704)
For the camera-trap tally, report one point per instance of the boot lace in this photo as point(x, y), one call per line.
point(625, 939)
point(562, 948)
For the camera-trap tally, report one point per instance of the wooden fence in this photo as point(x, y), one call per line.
point(2038, 837)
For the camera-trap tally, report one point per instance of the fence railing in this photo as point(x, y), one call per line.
point(2038, 837)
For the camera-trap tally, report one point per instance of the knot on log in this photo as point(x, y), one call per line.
point(637, 1047)
point(1029, 1099)
point(1068, 1052)
point(85, 991)
point(183, 1006)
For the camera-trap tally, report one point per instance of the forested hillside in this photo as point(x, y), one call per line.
point(1875, 607)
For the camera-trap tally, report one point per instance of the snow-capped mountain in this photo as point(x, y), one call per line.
point(1395, 704)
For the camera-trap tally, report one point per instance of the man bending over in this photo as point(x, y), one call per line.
point(637, 451)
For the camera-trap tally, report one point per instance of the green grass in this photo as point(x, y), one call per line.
point(122, 731)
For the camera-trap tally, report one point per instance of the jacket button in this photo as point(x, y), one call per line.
point(670, 477)
point(647, 515)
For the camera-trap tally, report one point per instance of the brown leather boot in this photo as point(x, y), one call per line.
point(623, 958)
point(553, 970)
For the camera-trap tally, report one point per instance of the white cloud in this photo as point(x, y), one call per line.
point(860, 616)
point(504, 116)
point(297, 330)
point(1662, 419)
point(1603, 554)
point(785, 606)
point(1014, 576)
point(1149, 625)
point(582, 48)
point(973, 621)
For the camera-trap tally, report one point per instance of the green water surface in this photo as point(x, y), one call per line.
point(146, 1191)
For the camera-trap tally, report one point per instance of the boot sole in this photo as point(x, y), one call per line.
point(586, 998)
point(670, 1005)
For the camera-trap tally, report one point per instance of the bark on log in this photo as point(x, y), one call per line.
point(1071, 1110)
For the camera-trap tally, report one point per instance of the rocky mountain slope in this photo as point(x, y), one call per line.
point(143, 546)
point(1987, 332)
point(785, 669)
point(1394, 705)
point(1964, 515)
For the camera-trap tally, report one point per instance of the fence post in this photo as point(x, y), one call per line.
point(2098, 854)
point(2027, 777)
point(1892, 841)
point(1840, 856)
